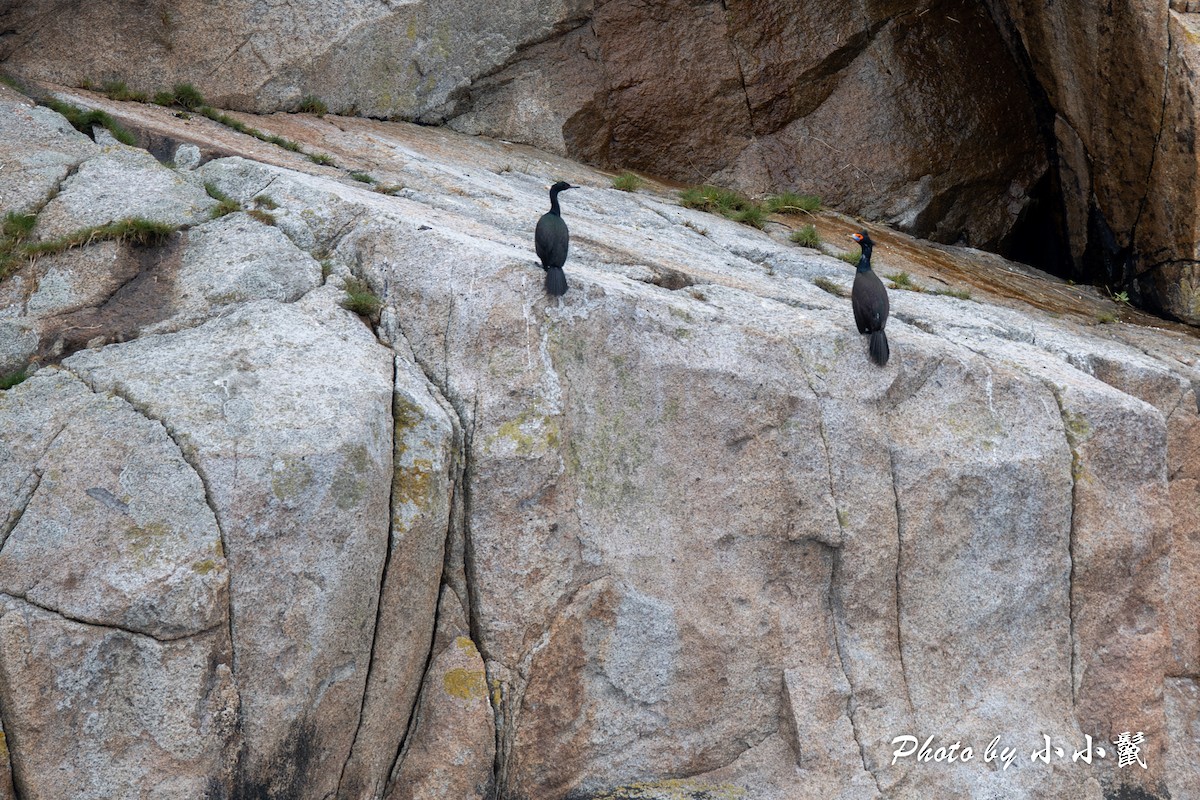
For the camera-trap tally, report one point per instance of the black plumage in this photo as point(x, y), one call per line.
point(869, 299)
point(551, 240)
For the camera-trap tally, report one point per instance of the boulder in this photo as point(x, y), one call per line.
point(286, 413)
point(114, 593)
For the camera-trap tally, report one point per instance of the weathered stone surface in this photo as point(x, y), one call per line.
point(698, 542)
point(119, 183)
point(425, 452)
point(404, 58)
point(41, 149)
point(1121, 80)
point(96, 712)
point(451, 748)
point(871, 111)
point(691, 91)
point(286, 413)
point(114, 614)
point(117, 531)
point(232, 260)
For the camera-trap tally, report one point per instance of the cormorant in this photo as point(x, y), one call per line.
point(550, 239)
point(869, 299)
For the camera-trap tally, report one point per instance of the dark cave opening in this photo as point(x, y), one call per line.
point(1039, 236)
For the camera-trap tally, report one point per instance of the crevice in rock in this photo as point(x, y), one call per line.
point(108, 626)
point(414, 719)
point(459, 522)
point(1065, 415)
point(1128, 280)
point(379, 607)
point(899, 572)
point(190, 459)
point(838, 616)
point(331, 244)
point(24, 497)
point(735, 51)
point(474, 612)
point(25, 493)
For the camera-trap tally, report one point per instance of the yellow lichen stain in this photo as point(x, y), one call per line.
point(3, 747)
point(406, 415)
point(291, 480)
point(1078, 430)
point(467, 646)
point(533, 434)
point(465, 684)
point(1077, 426)
point(143, 539)
point(412, 484)
point(497, 692)
point(204, 567)
point(442, 41)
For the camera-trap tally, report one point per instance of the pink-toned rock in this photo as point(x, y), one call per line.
point(451, 747)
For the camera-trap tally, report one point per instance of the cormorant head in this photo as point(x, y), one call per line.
point(561, 186)
point(862, 238)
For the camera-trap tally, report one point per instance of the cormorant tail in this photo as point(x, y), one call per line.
point(879, 345)
point(556, 284)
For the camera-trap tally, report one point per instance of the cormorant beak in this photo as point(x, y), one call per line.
point(856, 237)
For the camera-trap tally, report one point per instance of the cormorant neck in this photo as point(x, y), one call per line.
point(554, 203)
point(864, 261)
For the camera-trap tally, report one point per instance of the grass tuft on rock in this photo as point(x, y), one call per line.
point(806, 236)
point(83, 120)
point(14, 230)
point(134, 230)
point(627, 182)
point(360, 299)
point(792, 203)
point(262, 215)
point(12, 379)
point(311, 104)
point(117, 90)
point(726, 202)
point(362, 177)
point(323, 159)
point(188, 97)
point(829, 286)
point(225, 203)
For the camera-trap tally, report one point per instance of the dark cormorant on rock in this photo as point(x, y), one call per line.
point(869, 299)
point(551, 239)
